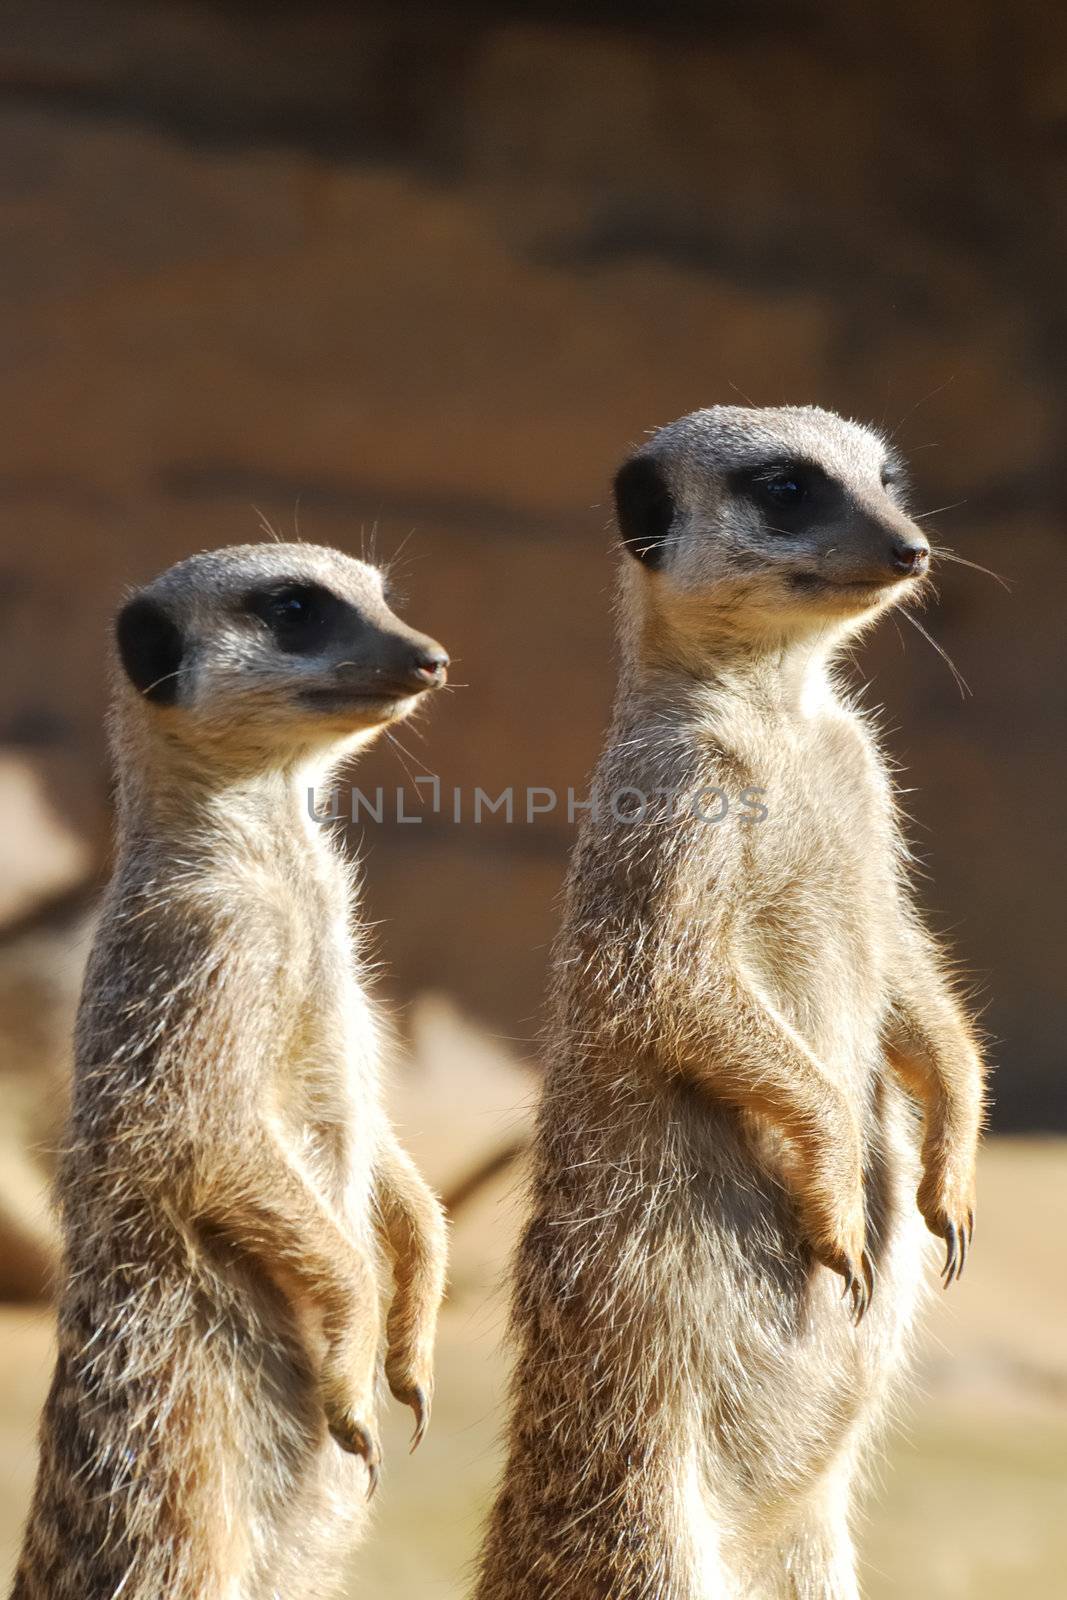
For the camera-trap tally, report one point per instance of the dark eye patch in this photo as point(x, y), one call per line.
point(791, 494)
point(301, 616)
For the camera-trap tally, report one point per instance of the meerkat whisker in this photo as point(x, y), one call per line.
point(933, 393)
point(271, 532)
point(739, 391)
point(961, 682)
point(924, 516)
point(404, 756)
point(944, 554)
point(387, 566)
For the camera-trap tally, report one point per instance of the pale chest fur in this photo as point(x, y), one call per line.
point(817, 887)
point(325, 1089)
point(805, 903)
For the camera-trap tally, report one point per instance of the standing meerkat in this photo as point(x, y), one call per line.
point(230, 1178)
point(743, 1018)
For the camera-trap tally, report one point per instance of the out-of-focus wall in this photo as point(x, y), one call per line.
point(429, 270)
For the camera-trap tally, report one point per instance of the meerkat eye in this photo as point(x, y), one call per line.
point(787, 492)
point(294, 607)
point(297, 614)
point(784, 489)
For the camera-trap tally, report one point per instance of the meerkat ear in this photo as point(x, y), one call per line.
point(150, 649)
point(644, 507)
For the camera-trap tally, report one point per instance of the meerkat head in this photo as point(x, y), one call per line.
point(271, 650)
point(767, 524)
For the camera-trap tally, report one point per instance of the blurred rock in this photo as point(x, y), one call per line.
point(462, 1101)
point(41, 967)
point(41, 857)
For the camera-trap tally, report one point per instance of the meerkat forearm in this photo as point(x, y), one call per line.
point(931, 1046)
point(272, 1210)
point(242, 1178)
point(739, 1048)
point(413, 1228)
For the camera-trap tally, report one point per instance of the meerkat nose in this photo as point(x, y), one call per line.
point(431, 666)
point(910, 557)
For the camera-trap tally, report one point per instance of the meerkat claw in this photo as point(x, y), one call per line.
point(415, 1396)
point(948, 1271)
point(853, 1292)
point(420, 1405)
point(868, 1282)
point(860, 1301)
point(859, 1287)
point(358, 1440)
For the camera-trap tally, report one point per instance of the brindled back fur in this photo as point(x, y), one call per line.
point(713, 1294)
point(230, 1188)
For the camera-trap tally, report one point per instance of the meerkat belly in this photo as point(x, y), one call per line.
point(331, 1109)
point(773, 1385)
point(327, 1094)
point(815, 937)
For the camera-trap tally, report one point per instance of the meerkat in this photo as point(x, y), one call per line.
point(713, 1293)
point(230, 1188)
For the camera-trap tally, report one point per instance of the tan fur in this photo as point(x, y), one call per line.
point(230, 1182)
point(725, 1140)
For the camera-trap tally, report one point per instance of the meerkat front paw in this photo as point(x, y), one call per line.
point(410, 1382)
point(357, 1438)
point(418, 1398)
point(946, 1200)
point(837, 1239)
point(349, 1408)
point(853, 1264)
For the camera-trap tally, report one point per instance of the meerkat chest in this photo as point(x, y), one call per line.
point(326, 1080)
point(819, 886)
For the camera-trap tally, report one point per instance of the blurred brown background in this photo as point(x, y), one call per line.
point(415, 276)
point(431, 270)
